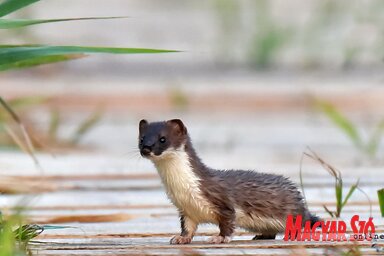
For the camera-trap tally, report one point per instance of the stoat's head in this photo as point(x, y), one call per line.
point(158, 140)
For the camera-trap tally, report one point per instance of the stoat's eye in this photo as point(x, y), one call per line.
point(141, 140)
point(162, 140)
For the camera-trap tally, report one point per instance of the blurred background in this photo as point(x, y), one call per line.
point(256, 82)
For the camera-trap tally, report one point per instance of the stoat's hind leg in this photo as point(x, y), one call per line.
point(264, 237)
point(219, 239)
point(226, 225)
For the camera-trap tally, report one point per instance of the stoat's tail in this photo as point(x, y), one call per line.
point(313, 219)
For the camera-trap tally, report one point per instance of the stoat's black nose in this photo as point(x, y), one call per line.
point(145, 151)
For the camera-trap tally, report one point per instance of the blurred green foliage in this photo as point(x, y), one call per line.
point(380, 194)
point(178, 98)
point(15, 235)
point(320, 33)
point(40, 138)
point(27, 55)
point(336, 174)
point(269, 37)
point(368, 147)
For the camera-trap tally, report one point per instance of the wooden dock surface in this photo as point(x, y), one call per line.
point(129, 214)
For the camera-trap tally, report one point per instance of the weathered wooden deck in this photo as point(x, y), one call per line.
point(114, 213)
point(115, 204)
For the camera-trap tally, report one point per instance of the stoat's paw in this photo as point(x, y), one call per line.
point(219, 240)
point(264, 236)
point(181, 240)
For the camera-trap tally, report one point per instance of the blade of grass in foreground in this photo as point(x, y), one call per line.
point(25, 56)
point(37, 61)
point(54, 124)
point(29, 146)
point(369, 200)
point(331, 213)
point(380, 194)
point(46, 227)
point(340, 121)
point(27, 232)
point(18, 23)
point(374, 141)
point(7, 240)
point(85, 126)
point(339, 195)
point(350, 192)
point(9, 6)
point(27, 101)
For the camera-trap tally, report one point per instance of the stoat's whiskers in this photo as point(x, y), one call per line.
point(132, 154)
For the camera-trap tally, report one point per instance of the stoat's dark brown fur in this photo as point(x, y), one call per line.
point(258, 202)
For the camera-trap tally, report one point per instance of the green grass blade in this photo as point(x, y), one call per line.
point(21, 102)
point(41, 60)
point(334, 172)
point(16, 139)
point(374, 141)
point(28, 101)
point(18, 23)
point(47, 227)
point(369, 200)
point(27, 232)
point(9, 110)
point(350, 192)
point(85, 126)
point(380, 194)
point(27, 139)
point(9, 6)
point(12, 53)
point(340, 121)
point(26, 56)
point(339, 195)
point(54, 124)
point(7, 240)
point(328, 211)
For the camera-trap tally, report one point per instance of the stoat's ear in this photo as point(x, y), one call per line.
point(178, 126)
point(142, 125)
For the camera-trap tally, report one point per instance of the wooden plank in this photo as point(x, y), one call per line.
point(130, 214)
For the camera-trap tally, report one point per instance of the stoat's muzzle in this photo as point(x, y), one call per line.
point(145, 151)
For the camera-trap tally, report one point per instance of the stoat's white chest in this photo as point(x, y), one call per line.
point(182, 185)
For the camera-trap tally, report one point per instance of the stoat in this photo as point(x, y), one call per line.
point(257, 202)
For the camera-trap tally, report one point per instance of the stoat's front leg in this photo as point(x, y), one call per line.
point(188, 229)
